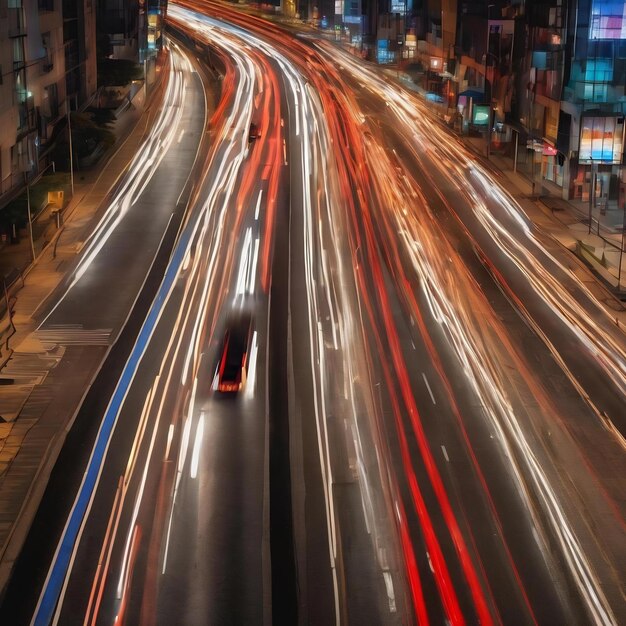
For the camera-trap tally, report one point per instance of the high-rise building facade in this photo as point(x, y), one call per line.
point(119, 19)
point(47, 54)
point(79, 41)
point(135, 29)
point(591, 125)
point(539, 59)
point(480, 66)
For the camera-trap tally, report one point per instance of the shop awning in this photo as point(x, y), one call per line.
point(474, 94)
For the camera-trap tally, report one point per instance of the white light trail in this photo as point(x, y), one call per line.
point(251, 382)
point(197, 445)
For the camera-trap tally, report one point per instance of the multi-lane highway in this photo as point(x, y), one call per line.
point(434, 411)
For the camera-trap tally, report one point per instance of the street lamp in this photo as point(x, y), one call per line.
point(488, 94)
point(531, 130)
point(69, 130)
point(621, 250)
point(30, 219)
point(443, 37)
point(592, 194)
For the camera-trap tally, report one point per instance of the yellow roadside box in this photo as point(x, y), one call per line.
point(55, 198)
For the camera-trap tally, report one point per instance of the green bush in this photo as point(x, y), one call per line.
point(16, 212)
point(118, 72)
point(102, 117)
point(86, 135)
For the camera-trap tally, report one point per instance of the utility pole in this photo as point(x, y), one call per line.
point(621, 250)
point(488, 94)
point(69, 130)
point(531, 129)
point(30, 220)
point(592, 196)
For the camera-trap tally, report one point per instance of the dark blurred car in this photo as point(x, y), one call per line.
point(233, 364)
point(253, 133)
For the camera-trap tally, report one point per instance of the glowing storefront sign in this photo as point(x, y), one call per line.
point(480, 115)
point(436, 64)
point(153, 28)
point(601, 140)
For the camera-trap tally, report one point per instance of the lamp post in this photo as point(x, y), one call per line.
point(446, 56)
point(592, 196)
point(443, 39)
point(531, 130)
point(30, 219)
point(69, 131)
point(621, 250)
point(489, 100)
point(488, 95)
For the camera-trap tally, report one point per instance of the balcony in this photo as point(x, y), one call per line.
point(17, 24)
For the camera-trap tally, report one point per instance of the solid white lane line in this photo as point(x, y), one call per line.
point(195, 456)
point(430, 391)
point(391, 596)
point(258, 205)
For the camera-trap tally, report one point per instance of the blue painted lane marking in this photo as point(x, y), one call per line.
point(50, 595)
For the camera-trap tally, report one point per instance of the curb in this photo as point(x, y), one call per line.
point(21, 525)
point(75, 202)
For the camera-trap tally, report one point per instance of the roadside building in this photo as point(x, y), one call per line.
point(135, 31)
point(542, 55)
point(79, 42)
point(591, 126)
point(481, 81)
point(47, 58)
point(435, 28)
point(119, 20)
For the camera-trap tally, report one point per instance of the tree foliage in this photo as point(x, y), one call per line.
point(117, 72)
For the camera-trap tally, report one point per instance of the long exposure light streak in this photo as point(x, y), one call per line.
point(57, 575)
point(436, 285)
point(366, 225)
point(138, 175)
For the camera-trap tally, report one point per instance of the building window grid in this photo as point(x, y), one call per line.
point(608, 20)
point(599, 70)
point(48, 60)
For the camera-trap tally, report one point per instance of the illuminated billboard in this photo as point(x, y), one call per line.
point(480, 115)
point(608, 19)
point(601, 140)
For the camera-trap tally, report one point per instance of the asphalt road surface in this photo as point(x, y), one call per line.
point(429, 428)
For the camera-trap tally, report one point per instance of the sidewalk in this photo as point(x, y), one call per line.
point(564, 222)
point(601, 253)
point(16, 258)
point(34, 407)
